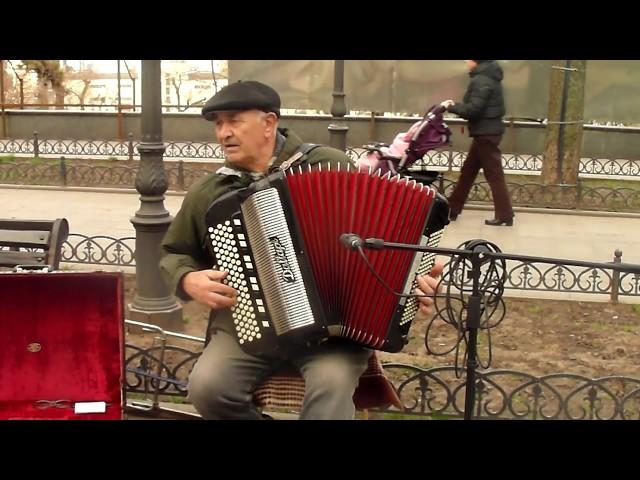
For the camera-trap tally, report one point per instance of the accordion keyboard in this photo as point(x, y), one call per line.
point(228, 246)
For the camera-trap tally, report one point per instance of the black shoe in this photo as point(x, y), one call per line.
point(495, 222)
point(453, 216)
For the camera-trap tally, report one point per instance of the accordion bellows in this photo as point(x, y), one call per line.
point(298, 284)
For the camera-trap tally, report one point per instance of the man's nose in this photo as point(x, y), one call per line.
point(223, 131)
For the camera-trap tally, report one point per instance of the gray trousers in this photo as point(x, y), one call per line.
point(223, 379)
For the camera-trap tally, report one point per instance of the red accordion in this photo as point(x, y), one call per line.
point(279, 239)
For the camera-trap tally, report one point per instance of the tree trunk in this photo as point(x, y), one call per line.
point(6, 79)
point(563, 141)
point(43, 93)
point(82, 95)
point(176, 87)
point(575, 115)
point(215, 80)
point(59, 91)
point(3, 119)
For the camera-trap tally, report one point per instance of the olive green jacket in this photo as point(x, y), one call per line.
point(185, 245)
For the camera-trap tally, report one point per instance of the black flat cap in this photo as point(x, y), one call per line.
point(241, 95)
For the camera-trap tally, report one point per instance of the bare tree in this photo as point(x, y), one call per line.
point(223, 74)
point(176, 86)
point(180, 77)
point(6, 84)
point(13, 96)
point(86, 77)
point(215, 80)
point(50, 75)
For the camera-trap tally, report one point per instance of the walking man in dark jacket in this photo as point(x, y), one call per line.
point(483, 108)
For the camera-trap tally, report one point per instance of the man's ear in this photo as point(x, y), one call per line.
point(271, 122)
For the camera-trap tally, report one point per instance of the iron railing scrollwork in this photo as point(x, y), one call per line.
point(181, 177)
point(440, 159)
point(511, 394)
point(531, 274)
point(99, 250)
point(435, 391)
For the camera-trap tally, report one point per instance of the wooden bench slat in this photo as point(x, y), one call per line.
point(10, 258)
point(46, 225)
point(24, 238)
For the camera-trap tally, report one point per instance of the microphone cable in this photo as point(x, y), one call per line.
point(458, 289)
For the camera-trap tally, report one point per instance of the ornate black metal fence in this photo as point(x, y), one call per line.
point(530, 163)
point(538, 275)
point(119, 149)
point(515, 395)
point(127, 149)
point(157, 369)
point(99, 250)
point(66, 173)
point(161, 369)
point(478, 269)
point(620, 199)
point(182, 175)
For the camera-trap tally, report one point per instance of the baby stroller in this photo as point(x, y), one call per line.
point(408, 147)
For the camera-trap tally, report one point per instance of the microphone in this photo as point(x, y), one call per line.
point(351, 241)
point(374, 243)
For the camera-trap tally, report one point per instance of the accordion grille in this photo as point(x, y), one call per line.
point(276, 262)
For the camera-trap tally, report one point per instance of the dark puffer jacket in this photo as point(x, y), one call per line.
point(483, 103)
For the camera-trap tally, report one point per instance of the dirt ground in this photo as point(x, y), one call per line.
point(536, 336)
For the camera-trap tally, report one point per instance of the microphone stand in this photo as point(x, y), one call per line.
point(477, 253)
point(475, 256)
point(473, 324)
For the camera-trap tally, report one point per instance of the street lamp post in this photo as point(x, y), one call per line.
point(153, 302)
point(337, 128)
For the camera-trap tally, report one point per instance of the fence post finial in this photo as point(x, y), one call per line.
point(615, 276)
point(130, 145)
point(36, 149)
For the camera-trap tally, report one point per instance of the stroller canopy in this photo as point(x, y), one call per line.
point(430, 133)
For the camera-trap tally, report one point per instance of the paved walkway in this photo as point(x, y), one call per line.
point(554, 233)
point(543, 232)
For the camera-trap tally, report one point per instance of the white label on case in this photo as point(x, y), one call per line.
point(90, 407)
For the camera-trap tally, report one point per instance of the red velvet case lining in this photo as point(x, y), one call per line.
point(76, 320)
